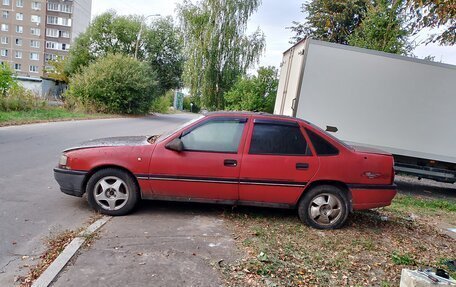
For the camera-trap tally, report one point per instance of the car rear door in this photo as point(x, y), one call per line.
point(208, 167)
point(277, 163)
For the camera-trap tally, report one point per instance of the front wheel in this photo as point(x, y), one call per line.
point(112, 191)
point(324, 207)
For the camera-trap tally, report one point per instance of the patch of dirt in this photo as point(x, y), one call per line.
point(370, 250)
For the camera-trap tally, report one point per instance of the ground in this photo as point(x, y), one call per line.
point(169, 244)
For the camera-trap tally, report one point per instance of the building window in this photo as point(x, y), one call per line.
point(19, 29)
point(35, 19)
point(53, 6)
point(58, 21)
point(36, 5)
point(52, 33)
point(19, 16)
point(19, 3)
point(34, 44)
point(35, 31)
point(5, 27)
point(5, 14)
point(65, 8)
point(64, 34)
point(4, 53)
point(6, 2)
point(18, 42)
point(17, 67)
point(50, 57)
point(34, 56)
point(52, 45)
point(33, 69)
point(18, 54)
point(4, 40)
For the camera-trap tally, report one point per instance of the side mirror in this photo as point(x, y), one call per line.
point(175, 145)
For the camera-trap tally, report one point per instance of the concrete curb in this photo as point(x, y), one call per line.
point(60, 262)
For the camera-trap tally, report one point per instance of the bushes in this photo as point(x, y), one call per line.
point(18, 98)
point(160, 105)
point(113, 84)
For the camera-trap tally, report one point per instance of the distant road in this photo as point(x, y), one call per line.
point(31, 204)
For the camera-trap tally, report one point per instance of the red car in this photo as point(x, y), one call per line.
point(233, 158)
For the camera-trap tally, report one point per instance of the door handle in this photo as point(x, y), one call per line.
point(230, 162)
point(302, 165)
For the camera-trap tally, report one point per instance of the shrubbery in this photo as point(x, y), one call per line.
point(113, 84)
point(18, 98)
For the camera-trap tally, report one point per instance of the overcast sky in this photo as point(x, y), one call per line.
point(272, 17)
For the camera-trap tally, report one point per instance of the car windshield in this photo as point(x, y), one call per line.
point(166, 134)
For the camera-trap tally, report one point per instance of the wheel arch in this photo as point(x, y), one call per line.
point(100, 167)
point(339, 184)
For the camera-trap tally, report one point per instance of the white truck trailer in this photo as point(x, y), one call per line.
point(399, 104)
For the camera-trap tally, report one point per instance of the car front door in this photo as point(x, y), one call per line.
point(208, 166)
point(277, 163)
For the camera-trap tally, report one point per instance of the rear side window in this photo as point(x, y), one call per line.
point(215, 136)
point(277, 139)
point(322, 146)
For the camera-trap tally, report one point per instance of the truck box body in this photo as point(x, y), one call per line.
point(402, 105)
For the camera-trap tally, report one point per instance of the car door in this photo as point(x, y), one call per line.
point(208, 166)
point(277, 163)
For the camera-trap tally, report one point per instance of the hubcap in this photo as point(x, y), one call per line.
point(111, 193)
point(325, 209)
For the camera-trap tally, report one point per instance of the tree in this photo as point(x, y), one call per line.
point(383, 28)
point(329, 20)
point(57, 70)
point(114, 84)
point(109, 33)
point(217, 48)
point(254, 93)
point(435, 14)
point(7, 79)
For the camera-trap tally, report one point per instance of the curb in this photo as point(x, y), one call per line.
point(61, 261)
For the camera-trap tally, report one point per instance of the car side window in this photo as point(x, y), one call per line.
point(322, 146)
point(278, 139)
point(215, 136)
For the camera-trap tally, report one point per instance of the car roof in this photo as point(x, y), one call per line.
point(262, 114)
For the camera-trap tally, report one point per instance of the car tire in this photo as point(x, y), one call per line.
point(324, 207)
point(112, 191)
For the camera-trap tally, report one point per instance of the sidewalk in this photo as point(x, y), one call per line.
point(162, 244)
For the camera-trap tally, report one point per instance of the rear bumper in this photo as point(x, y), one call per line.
point(70, 181)
point(371, 196)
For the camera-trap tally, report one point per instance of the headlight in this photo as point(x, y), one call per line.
point(63, 161)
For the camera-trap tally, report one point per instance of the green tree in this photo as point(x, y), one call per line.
point(329, 20)
point(217, 48)
point(435, 14)
point(7, 80)
point(114, 84)
point(56, 70)
point(109, 33)
point(254, 93)
point(383, 28)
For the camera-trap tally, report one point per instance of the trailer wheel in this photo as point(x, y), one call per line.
point(324, 207)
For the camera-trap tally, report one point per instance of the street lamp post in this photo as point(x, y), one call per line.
point(140, 32)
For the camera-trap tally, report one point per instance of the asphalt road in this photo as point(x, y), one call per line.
point(31, 204)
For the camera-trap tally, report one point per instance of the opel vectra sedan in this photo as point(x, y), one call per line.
point(233, 158)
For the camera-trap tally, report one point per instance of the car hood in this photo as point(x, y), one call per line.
point(113, 141)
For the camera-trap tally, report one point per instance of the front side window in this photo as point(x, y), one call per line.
point(215, 136)
point(278, 139)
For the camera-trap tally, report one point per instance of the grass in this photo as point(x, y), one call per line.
point(369, 251)
point(43, 115)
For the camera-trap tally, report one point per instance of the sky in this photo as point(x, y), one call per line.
point(272, 18)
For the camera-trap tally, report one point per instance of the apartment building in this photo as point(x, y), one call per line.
point(32, 32)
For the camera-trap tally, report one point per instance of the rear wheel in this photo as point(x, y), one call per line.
point(112, 191)
point(324, 207)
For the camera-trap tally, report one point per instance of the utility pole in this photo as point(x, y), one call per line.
point(140, 32)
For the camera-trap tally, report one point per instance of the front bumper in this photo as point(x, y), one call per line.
point(70, 181)
point(371, 196)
